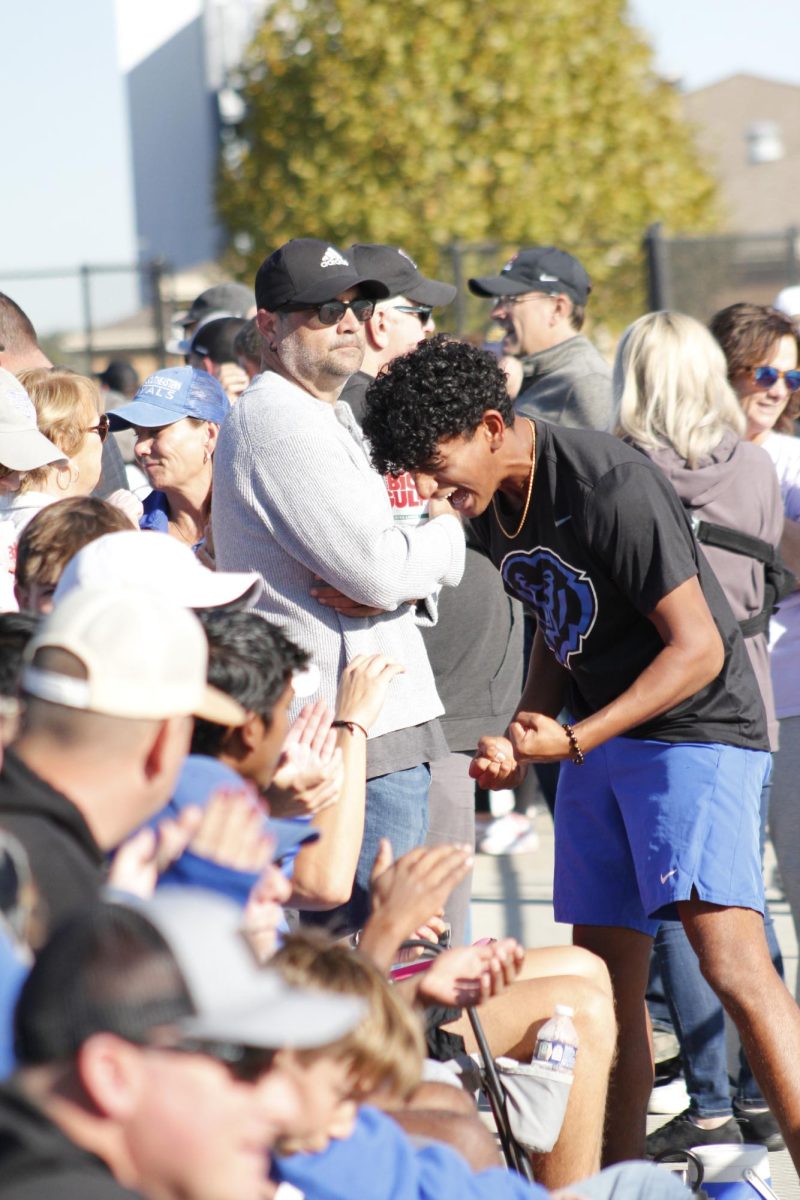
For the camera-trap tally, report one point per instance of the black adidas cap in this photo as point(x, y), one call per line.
point(310, 271)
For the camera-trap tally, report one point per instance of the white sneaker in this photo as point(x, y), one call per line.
point(511, 834)
point(669, 1098)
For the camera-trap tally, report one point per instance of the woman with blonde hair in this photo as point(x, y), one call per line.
point(673, 401)
point(68, 413)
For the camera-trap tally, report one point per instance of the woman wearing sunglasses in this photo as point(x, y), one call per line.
point(68, 414)
point(761, 348)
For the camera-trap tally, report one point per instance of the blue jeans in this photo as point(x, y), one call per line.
point(397, 809)
point(698, 1018)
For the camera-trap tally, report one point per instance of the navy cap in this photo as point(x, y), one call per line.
point(169, 396)
point(201, 776)
point(310, 271)
point(537, 269)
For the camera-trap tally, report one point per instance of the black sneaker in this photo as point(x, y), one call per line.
point(760, 1127)
point(681, 1133)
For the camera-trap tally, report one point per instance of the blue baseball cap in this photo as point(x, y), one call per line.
point(169, 396)
point(201, 776)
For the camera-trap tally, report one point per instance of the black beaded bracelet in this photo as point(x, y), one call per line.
point(350, 726)
point(575, 753)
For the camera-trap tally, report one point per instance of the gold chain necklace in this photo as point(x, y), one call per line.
point(518, 530)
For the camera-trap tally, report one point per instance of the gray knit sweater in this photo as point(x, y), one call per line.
point(295, 496)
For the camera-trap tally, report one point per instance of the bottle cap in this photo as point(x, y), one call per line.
point(564, 1010)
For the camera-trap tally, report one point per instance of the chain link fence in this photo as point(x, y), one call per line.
point(88, 314)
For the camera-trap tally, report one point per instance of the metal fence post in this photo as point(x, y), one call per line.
point(156, 269)
point(86, 302)
point(657, 268)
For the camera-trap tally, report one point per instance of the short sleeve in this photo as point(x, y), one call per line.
point(637, 529)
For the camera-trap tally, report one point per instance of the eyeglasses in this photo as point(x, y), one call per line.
point(767, 377)
point(331, 311)
point(245, 1063)
point(101, 428)
point(419, 310)
point(512, 301)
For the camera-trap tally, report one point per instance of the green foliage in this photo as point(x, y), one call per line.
point(423, 124)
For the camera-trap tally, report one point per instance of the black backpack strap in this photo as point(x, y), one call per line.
point(731, 539)
point(778, 581)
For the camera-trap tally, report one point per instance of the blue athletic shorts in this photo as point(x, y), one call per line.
point(642, 824)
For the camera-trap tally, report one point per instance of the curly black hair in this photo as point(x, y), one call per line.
point(439, 390)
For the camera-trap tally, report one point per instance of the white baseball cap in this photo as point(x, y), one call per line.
point(157, 563)
point(22, 446)
point(145, 657)
point(788, 301)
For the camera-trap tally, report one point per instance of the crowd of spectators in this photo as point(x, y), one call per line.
point(251, 684)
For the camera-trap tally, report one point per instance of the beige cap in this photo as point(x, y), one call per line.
point(22, 446)
point(145, 658)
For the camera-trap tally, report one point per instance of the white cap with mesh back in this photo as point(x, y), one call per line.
point(158, 563)
point(139, 655)
point(22, 446)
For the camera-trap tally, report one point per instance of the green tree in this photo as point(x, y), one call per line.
point(425, 124)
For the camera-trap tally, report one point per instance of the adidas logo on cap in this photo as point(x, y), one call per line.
point(332, 258)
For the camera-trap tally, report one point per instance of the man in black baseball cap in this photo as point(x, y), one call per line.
point(296, 496)
point(400, 322)
point(540, 298)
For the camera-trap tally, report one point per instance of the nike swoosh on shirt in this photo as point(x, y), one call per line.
point(664, 878)
point(563, 520)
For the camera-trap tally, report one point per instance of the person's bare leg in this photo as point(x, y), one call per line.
point(466, 1134)
point(626, 953)
point(511, 1022)
point(444, 1096)
point(734, 958)
point(541, 961)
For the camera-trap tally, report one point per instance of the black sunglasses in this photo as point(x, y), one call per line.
point(101, 428)
point(245, 1063)
point(419, 310)
point(330, 312)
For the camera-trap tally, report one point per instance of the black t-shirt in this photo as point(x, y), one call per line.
point(605, 539)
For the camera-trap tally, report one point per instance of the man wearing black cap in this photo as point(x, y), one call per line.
point(475, 646)
point(398, 323)
point(212, 349)
point(540, 299)
point(296, 498)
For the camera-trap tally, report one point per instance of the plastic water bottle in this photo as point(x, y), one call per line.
point(557, 1044)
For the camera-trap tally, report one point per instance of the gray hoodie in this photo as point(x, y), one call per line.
point(736, 486)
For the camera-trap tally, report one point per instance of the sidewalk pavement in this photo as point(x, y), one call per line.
point(512, 897)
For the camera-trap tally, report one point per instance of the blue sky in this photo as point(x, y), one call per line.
point(66, 197)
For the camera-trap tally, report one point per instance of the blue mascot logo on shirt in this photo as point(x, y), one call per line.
point(562, 597)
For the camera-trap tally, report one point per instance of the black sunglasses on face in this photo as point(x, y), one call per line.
point(101, 428)
point(419, 310)
point(245, 1063)
point(330, 312)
